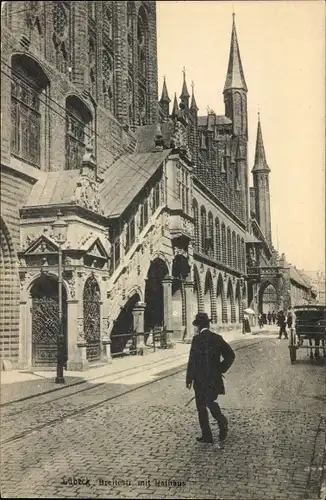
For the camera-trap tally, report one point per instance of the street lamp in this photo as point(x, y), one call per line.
point(59, 228)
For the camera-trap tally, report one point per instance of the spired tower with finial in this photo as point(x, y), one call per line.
point(184, 97)
point(235, 88)
point(165, 100)
point(260, 173)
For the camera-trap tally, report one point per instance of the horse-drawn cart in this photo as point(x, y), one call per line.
point(309, 326)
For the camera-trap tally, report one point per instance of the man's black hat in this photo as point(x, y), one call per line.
point(201, 319)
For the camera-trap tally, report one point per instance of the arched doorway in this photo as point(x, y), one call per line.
point(154, 311)
point(267, 299)
point(92, 319)
point(208, 297)
point(123, 327)
point(219, 299)
point(180, 272)
point(45, 321)
point(9, 296)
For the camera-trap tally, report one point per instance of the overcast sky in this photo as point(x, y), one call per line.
point(283, 55)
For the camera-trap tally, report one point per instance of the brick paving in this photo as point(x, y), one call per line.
point(143, 445)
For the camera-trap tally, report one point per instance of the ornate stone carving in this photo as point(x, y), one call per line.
point(80, 331)
point(87, 195)
point(72, 284)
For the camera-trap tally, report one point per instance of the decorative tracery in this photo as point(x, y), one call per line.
point(61, 35)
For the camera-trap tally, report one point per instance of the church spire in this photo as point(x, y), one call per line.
point(165, 96)
point(260, 156)
point(165, 101)
point(184, 92)
point(193, 104)
point(175, 110)
point(235, 77)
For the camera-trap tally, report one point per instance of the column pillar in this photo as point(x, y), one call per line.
point(138, 326)
point(167, 307)
point(189, 298)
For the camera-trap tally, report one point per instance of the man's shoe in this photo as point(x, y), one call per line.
point(203, 440)
point(223, 429)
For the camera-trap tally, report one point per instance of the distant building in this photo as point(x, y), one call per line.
point(318, 284)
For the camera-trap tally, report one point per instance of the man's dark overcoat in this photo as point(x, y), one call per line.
point(205, 367)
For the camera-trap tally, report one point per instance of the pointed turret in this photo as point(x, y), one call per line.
point(193, 105)
point(165, 95)
point(260, 156)
point(235, 77)
point(175, 110)
point(165, 100)
point(184, 93)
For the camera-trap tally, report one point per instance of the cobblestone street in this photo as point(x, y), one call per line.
point(142, 444)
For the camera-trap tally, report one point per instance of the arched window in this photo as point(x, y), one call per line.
point(196, 224)
point(61, 35)
point(143, 214)
point(210, 246)
point(78, 118)
point(229, 244)
point(238, 253)
point(223, 243)
point(142, 65)
point(92, 64)
point(217, 240)
point(130, 33)
point(130, 233)
point(156, 196)
point(203, 229)
point(108, 19)
point(29, 114)
point(108, 83)
point(130, 47)
point(234, 251)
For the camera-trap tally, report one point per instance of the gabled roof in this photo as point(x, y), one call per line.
point(126, 177)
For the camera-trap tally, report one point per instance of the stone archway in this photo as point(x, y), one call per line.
point(209, 305)
point(123, 326)
point(220, 300)
point(154, 299)
point(45, 320)
point(180, 272)
point(197, 291)
point(92, 319)
point(9, 297)
point(230, 303)
point(268, 299)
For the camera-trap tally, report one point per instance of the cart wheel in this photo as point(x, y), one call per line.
point(293, 354)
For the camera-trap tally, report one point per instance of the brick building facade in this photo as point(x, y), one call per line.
point(155, 200)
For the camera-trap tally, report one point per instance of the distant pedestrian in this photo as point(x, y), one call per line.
point(273, 317)
point(246, 323)
point(260, 320)
point(205, 371)
point(269, 317)
point(281, 321)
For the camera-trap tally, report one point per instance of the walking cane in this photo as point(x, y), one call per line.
point(187, 404)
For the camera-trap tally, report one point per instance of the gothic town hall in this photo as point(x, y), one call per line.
point(144, 202)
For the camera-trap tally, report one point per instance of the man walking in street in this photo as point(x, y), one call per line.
point(205, 371)
point(281, 321)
